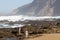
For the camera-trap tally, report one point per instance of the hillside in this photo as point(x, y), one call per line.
point(39, 8)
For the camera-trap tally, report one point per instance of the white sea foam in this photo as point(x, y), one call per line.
point(22, 18)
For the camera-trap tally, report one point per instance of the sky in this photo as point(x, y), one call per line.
point(7, 6)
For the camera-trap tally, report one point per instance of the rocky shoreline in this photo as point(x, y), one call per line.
point(35, 29)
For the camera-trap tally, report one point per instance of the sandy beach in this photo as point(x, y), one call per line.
point(47, 37)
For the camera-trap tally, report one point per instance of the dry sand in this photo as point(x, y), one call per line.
point(47, 37)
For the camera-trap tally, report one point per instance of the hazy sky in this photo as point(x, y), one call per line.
point(9, 5)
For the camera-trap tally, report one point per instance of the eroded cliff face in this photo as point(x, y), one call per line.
point(40, 8)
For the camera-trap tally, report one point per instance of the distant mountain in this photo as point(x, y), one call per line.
point(39, 8)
